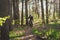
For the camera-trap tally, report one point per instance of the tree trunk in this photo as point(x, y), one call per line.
point(5, 31)
point(46, 12)
point(16, 12)
point(10, 13)
point(3, 8)
point(43, 20)
point(54, 10)
point(37, 7)
point(22, 14)
point(26, 11)
point(16, 9)
point(4, 11)
point(59, 9)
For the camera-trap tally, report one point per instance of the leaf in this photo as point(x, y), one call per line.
point(4, 19)
point(36, 31)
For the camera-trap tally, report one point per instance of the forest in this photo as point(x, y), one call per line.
point(30, 20)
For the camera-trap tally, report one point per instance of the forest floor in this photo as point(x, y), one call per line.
point(28, 30)
point(30, 36)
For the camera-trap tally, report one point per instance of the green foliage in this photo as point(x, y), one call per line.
point(3, 19)
point(36, 32)
point(19, 28)
point(50, 33)
point(15, 34)
point(35, 16)
point(15, 22)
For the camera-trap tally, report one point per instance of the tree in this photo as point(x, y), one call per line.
point(4, 11)
point(37, 7)
point(43, 21)
point(59, 9)
point(16, 10)
point(10, 13)
point(26, 11)
point(22, 14)
point(46, 12)
point(54, 10)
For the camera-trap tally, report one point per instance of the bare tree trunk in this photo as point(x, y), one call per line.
point(26, 11)
point(5, 31)
point(38, 10)
point(46, 12)
point(4, 11)
point(22, 14)
point(37, 7)
point(54, 10)
point(43, 20)
point(16, 11)
point(59, 9)
point(10, 13)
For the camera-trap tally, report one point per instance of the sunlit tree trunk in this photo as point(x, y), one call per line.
point(59, 9)
point(38, 10)
point(37, 7)
point(57, 13)
point(54, 10)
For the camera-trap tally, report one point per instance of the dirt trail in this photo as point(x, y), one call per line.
point(28, 34)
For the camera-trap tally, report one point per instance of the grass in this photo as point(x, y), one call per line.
point(51, 31)
point(13, 34)
point(19, 28)
point(16, 32)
